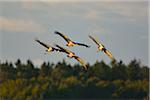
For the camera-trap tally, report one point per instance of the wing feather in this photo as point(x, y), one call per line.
point(45, 45)
point(63, 36)
point(63, 49)
point(96, 41)
point(82, 44)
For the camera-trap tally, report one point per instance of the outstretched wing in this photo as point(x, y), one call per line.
point(81, 61)
point(82, 44)
point(45, 45)
point(63, 49)
point(63, 36)
point(109, 54)
point(94, 40)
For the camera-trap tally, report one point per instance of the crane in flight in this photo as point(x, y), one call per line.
point(101, 47)
point(70, 43)
point(71, 54)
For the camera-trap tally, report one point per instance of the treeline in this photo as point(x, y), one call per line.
point(117, 80)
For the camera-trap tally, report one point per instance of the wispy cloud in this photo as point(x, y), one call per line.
point(19, 25)
point(92, 14)
point(100, 10)
point(102, 31)
point(129, 9)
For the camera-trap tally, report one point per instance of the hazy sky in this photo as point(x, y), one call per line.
point(121, 26)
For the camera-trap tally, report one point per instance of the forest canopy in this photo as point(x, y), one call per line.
point(64, 81)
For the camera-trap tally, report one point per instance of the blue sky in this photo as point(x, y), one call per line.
point(121, 26)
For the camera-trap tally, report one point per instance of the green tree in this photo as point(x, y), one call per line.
point(7, 71)
point(101, 70)
point(134, 70)
point(119, 71)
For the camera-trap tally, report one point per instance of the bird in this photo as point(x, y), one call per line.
point(70, 43)
point(101, 47)
point(49, 48)
point(71, 54)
